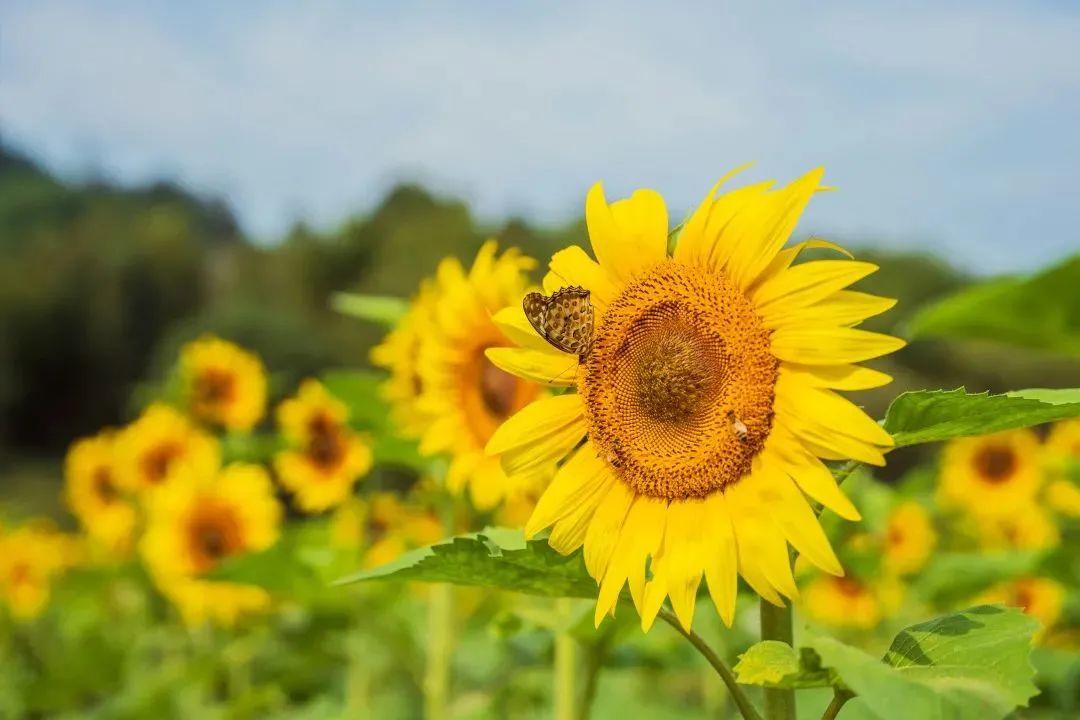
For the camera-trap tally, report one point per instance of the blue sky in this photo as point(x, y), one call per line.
point(954, 127)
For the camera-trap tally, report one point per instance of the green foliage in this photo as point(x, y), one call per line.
point(935, 415)
point(971, 665)
point(771, 663)
point(494, 558)
point(1041, 312)
point(952, 577)
point(380, 309)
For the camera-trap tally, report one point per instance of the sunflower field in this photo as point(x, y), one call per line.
point(644, 465)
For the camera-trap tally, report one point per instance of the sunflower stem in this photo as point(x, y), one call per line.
point(746, 708)
point(839, 698)
point(440, 638)
point(776, 625)
point(565, 662)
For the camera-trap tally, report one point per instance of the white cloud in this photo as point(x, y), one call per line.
point(942, 125)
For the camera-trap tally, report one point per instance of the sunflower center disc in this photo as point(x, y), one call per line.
point(995, 463)
point(679, 385)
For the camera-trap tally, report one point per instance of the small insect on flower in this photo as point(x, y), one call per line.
point(740, 427)
point(565, 319)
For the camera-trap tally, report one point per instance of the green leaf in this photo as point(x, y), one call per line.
point(971, 665)
point(381, 309)
point(950, 578)
point(496, 558)
point(772, 663)
point(1041, 312)
point(934, 415)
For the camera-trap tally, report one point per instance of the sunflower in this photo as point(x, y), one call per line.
point(1063, 442)
point(1041, 598)
point(1027, 527)
point(151, 449)
point(846, 602)
point(398, 353)
point(706, 398)
point(382, 527)
point(909, 538)
point(991, 474)
point(1063, 497)
point(197, 521)
point(30, 558)
point(223, 384)
point(467, 395)
point(327, 458)
point(95, 495)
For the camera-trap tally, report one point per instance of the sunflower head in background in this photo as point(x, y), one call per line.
point(198, 521)
point(1041, 598)
point(465, 394)
point(382, 526)
point(398, 353)
point(704, 387)
point(909, 538)
point(326, 458)
point(223, 385)
point(31, 557)
point(991, 475)
point(848, 602)
point(98, 495)
point(150, 451)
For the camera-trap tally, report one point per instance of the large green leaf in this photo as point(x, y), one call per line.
point(495, 558)
point(971, 665)
point(1041, 312)
point(932, 415)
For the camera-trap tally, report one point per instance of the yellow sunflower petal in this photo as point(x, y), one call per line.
point(811, 475)
point(629, 235)
point(831, 346)
point(837, 377)
point(762, 548)
point(806, 284)
point(788, 255)
point(568, 533)
point(551, 368)
point(512, 323)
point(721, 557)
point(758, 235)
point(828, 443)
point(828, 410)
point(534, 421)
point(793, 515)
point(694, 244)
point(639, 538)
point(604, 529)
point(582, 477)
point(572, 266)
point(685, 552)
point(549, 449)
point(726, 208)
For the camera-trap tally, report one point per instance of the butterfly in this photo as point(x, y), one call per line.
point(565, 319)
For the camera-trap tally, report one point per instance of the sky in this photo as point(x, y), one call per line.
point(953, 127)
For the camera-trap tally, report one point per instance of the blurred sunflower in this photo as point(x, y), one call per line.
point(463, 392)
point(846, 602)
point(398, 353)
point(327, 457)
point(96, 494)
point(1027, 527)
point(223, 384)
point(991, 474)
point(1062, 449)
point(382, 527)
point(30, 559)
point(151, 449)
point(706, 396)
point(909, 538)
point(197, 521)
point(1041, 598)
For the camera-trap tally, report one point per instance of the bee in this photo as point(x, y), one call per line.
point(740, 427)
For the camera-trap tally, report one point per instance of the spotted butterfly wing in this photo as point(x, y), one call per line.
point(565, 319)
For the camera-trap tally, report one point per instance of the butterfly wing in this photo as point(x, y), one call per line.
point(568, 321)
point(535, 307)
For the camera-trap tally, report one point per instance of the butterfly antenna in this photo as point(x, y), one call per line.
point(564, 372)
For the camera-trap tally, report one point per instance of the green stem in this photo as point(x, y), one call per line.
point(839, 698)
point(565, 662)
point(749, 712)
point(440, 639)
point(776, 625)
